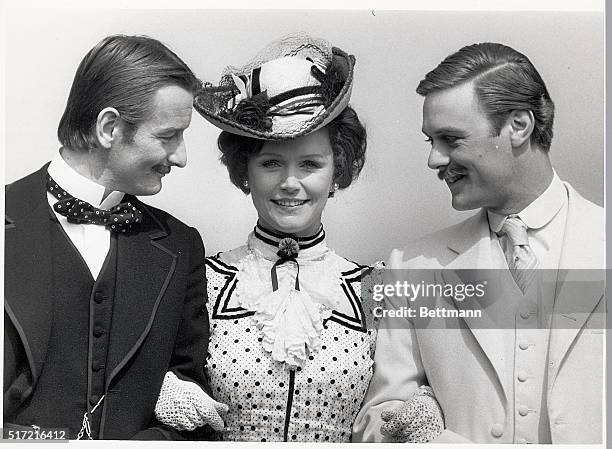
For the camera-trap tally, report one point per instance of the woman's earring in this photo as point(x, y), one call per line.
point(333, 189)
point(245, 183)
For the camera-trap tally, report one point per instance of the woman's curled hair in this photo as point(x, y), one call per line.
point(347, 137)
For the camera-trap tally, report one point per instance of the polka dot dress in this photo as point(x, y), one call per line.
point(267, 400)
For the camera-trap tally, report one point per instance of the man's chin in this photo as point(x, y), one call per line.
point(147, 190)
point(460, 203)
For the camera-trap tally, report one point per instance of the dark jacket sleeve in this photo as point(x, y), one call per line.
point(191, 344)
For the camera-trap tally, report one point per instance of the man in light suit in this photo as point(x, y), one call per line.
point(104, 294)
point(530, 369)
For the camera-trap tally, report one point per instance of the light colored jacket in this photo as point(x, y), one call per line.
point(470, 366)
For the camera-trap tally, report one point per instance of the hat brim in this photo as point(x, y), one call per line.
point(307, 126)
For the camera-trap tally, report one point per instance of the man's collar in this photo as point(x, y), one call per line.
point(81, 187)
point(540, 211)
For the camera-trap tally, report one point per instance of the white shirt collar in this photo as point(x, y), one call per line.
point(81, 187)
point(540, 211)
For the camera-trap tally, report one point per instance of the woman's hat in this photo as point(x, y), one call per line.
point(294, 86)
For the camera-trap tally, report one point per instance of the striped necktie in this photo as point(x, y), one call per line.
point(521, 259)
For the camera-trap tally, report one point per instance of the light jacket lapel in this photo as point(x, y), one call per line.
point(145, 267)
point(581, 278)
point(28, 299)
point(474, 264)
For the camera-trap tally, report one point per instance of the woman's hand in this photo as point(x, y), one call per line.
point(418, 420)
point(185, 406)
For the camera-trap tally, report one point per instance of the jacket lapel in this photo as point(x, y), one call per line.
point(475, 264)
point(144, 269)
point(27, 272)
point(581, 278)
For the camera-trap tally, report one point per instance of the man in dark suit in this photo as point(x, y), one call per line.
point(104, 294)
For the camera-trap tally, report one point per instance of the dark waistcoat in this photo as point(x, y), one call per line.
point(72, 381)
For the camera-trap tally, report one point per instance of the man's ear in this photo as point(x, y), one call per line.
point(108, 127)
point(521, 123)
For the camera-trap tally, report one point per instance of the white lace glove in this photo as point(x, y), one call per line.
point(185, 406)
point(418, 420)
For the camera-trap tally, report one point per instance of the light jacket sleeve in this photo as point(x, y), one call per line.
point(398, 370)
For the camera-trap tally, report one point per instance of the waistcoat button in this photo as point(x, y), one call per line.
point(497, 430)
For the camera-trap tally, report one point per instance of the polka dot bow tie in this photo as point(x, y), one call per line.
point(120, 218)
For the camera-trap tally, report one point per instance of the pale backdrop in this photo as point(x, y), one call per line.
point(397, 197)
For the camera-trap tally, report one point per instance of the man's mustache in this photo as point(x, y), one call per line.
point(450, 170)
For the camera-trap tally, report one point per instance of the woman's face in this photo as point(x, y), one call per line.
point(290, 181)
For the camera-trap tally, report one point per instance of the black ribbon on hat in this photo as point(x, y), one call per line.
point(120, 218)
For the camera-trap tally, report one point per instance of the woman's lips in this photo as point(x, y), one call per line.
point(289, 203)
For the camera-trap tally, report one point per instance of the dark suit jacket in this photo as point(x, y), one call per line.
point(159, 317)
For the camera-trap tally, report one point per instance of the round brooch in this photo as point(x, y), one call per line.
point(288, 248)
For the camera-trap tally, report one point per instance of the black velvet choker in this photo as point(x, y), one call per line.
point(288, 248)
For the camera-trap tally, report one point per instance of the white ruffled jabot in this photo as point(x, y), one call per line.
point(290, 319)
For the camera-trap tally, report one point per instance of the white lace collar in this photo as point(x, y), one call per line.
point(290, 320)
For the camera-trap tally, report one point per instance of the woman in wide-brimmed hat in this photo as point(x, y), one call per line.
point(292, 336)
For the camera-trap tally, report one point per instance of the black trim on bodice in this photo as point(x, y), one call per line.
point(222, 311)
